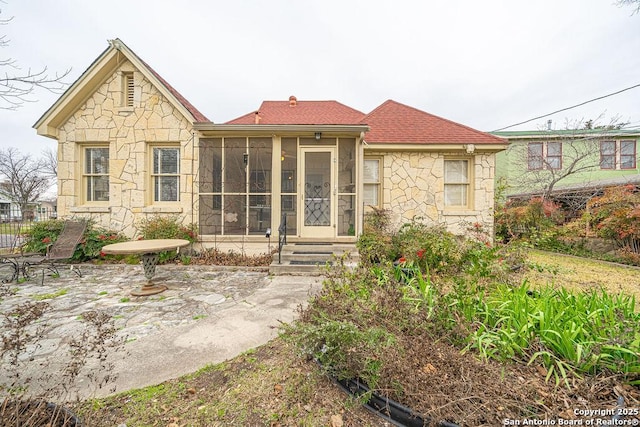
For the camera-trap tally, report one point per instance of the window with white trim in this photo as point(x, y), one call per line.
point(165, 174)
point(95, 175)
point(619, 154)
point(544, 155)
point(456, 183)
point(372, 183)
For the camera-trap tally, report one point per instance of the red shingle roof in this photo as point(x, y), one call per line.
point(393, 122)
point(197, 115)
point(294, 112)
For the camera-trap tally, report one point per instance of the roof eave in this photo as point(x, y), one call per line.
point(469, 148)
point(82, 88)
point(86, 84)
point(219, 129)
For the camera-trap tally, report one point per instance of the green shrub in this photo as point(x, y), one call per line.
point(433, 248)
point(374, 244)
point(167, 227)
point(518, 218)
point(344, 349)
point(42, 234)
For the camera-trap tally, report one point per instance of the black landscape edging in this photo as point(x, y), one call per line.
point(388, 409)
point(70, 418)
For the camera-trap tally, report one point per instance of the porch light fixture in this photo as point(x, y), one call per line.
point(318, 136)
point(245, 159)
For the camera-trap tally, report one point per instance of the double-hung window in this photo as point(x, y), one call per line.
point(456, 183)
point(618, 154)
point(607, 155)
point(544, 155)
point(627, 154)
point(96, 174)
point(372, 182)
point(165, 174)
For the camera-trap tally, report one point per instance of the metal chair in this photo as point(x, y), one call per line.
point(13, 255)
point(60, 250)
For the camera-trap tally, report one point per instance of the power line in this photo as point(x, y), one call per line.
point(569, 108)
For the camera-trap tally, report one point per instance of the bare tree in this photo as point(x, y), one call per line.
point(17, 85)
point(25, 178)
point(50, 162)
point(633, 3)
point(552, 160)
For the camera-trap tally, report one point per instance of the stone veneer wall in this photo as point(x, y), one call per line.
point(128, 131)
point(413, 186)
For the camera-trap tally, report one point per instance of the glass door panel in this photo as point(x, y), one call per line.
point(317, 194)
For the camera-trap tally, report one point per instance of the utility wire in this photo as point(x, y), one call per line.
point(569, 108)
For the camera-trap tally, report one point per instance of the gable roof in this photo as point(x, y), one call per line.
point(294, 112)
point(89, 81)
point(396, 123)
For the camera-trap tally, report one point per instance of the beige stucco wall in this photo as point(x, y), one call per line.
point(413, 186)
point(129, 133)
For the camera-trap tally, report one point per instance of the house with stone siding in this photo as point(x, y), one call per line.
point(131, 147)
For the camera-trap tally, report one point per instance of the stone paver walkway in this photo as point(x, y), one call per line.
point(207, 315)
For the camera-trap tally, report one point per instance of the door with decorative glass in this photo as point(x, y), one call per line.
point(318, 195)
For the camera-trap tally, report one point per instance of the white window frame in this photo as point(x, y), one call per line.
point(450, 183)
point(375, 184)
point(157, 175)
point(91, 177)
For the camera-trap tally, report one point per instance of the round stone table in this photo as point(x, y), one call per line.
point(149, 250)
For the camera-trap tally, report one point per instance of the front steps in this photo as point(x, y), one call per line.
point(310, 258)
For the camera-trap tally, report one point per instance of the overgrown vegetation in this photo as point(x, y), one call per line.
point(613, 216)
point(455, 295)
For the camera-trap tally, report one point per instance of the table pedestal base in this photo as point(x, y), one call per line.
point(149, 262)
point(148, 289)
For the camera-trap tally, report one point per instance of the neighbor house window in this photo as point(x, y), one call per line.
point(627, 154)
point(534, 155)
point(456, 183)
point(618, 154)
point(165, 174)
point(96, 174)
point(127, 89)
point(544, 155)
point(372, 182)
point(607, 155)
point(554, 155)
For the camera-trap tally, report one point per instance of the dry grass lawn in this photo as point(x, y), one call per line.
point(578, 273)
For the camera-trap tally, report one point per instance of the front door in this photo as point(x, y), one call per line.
point(318, 201)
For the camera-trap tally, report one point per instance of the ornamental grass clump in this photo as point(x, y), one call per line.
point(567, 332)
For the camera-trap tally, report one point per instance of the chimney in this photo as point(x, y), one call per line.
point(257, 118)
point(293, 101)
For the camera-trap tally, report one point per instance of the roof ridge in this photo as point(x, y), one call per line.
point(197, 115)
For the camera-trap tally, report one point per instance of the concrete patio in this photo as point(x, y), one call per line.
point(208, 314)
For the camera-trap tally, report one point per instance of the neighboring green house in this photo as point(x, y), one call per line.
point(566, 163)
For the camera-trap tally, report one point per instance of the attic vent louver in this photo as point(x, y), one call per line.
point(128, 84)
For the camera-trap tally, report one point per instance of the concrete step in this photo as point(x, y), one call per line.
point(309, 258)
